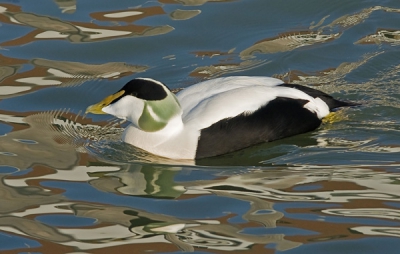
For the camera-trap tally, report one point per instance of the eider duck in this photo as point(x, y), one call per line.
point(216, 116)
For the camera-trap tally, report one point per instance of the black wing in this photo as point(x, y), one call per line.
point(280, 118)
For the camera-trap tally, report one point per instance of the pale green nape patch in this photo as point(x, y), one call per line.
point(156, 114)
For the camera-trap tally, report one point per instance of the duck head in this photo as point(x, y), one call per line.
point(148, 104)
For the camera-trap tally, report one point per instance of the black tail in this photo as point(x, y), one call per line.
point(333, 103)
point(329, 100)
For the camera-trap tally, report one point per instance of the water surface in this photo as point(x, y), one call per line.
point(68, 184)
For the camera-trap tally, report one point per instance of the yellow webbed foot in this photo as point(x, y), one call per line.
point(334, 117)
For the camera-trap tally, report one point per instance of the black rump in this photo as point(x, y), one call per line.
point(329, 100)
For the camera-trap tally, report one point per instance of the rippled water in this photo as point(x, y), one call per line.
point(68, 185)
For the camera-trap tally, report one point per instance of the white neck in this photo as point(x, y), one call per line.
point(173, 141)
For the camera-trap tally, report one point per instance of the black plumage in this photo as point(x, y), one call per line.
point(280, 118)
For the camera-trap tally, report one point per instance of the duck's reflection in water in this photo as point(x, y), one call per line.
point(115, 225)
point(258, 190)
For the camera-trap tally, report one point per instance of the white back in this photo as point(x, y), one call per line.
point(211, 101)
point(190, 97)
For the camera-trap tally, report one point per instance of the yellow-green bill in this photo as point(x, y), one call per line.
point(97, 108)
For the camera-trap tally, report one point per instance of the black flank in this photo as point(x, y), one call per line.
point(143, 89)
point(329, 100)
point(280, 118)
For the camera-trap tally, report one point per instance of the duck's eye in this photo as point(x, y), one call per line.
point(134, 94)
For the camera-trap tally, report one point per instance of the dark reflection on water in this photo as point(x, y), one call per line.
point(69, 185)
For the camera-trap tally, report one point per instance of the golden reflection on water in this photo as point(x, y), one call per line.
point(382, 36)
point(37, 144)
point(326, 76)
point(286, 43)
point(47, 28)
point(66, 6)
point(56, 73)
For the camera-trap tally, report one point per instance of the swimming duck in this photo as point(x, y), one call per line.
point(216, 116)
